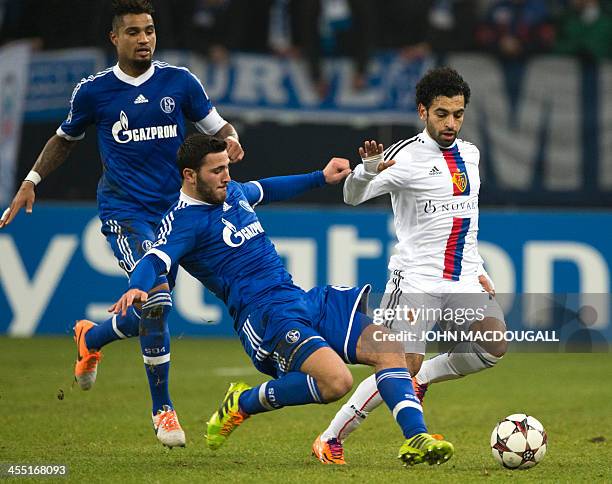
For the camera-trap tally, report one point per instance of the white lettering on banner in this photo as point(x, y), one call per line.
point(301, 259)
point(344, 249)
point(100, 257)
point(347, 96)
point(605, 140)
point(97, 252)
point(548, 98)
point(260, 77)
point(189, 301)
point(28, 298)
point(300, 78)
point(499, 266)
point(538, 278)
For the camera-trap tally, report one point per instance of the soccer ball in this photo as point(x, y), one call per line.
point(519, 441)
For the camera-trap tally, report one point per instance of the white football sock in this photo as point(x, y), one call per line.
point(464, 359)
point(365, 399)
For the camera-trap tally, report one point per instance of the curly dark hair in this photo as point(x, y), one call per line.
point(126, 7)
point(441, 81)
point(194, 149)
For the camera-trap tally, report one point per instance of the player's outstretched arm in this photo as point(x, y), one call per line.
point(52, 155)
point(364, 183)
point(336, 170)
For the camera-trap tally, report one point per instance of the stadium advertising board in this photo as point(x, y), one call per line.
point(55, 266)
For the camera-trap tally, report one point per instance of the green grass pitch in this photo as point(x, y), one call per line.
point(105, 435)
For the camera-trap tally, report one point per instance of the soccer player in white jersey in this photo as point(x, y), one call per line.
point(139, 108)
point(433, 182)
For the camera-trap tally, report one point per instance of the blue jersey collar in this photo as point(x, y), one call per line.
point(133, 81)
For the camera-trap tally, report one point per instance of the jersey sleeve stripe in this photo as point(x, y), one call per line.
point(392, 153)
point(211, 124)
point(60, 132)
point(261, 192)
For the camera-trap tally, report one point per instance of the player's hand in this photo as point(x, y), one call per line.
point(234, 149)
point(371, 148)
point(23, 198)
point(128, 299)
point(336, 170)
point(372, 157)
point(486, 284)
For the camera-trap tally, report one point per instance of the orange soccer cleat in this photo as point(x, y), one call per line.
point(328, 452)
point(86, 365)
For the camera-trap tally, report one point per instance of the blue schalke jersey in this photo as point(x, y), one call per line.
point(224, 246)
point(140, 125)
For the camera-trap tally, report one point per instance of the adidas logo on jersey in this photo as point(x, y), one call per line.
point(434, 171)
point(141, 99)
point(226, 206)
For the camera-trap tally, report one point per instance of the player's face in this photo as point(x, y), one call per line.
point(135, 42)
point(444, 118)
point(213, 177)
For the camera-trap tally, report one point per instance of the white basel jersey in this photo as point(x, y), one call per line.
point(434, 194)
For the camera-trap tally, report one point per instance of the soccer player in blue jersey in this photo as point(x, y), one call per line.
point(139, 107)
point(301, 339)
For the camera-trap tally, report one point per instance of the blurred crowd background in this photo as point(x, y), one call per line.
point(315, 29)
point(542, 82)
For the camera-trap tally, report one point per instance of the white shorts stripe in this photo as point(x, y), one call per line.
point(405, 404)
point(156, 360)
point(364, 289)
point(252, 331)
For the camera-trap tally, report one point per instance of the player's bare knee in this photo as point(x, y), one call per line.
point(378, 345)
point(335, 384)
point(496, 346)
point(413, 362)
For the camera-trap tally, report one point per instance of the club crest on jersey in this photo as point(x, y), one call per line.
point(167, 104)
point(292, 336)
point(244, 204)
point(147, 245)
point(460, 181)
point(235, 238)
point(123, 134)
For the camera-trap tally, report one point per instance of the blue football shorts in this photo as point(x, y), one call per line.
point(130, 240)
point(280, 337)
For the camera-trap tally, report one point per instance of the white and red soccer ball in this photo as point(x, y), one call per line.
point(519, 441)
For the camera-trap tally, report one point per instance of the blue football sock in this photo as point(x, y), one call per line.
point(395, 387)
point(155, 344)
point(294, 388)
point(117, 327)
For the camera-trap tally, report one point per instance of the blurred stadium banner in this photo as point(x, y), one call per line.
point(540, 125)
point(55, 266)
point(14, 64)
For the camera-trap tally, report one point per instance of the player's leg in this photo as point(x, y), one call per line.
point(155, 346)
point(351, 334)
point(129, 241)
point(468, 357)
point(308, 372)
point(395, 387)
point(367, 397)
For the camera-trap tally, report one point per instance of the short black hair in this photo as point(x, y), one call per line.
point(194, 149)
point(126, 7)
point(441, 81)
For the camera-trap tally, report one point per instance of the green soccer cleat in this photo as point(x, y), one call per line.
point(227, 418)
point(425, 448)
